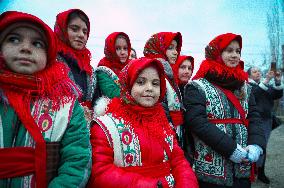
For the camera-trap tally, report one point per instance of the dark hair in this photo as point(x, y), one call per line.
point(132, 49)
point(249, 71)
point(79, 14)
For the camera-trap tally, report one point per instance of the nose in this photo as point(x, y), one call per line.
point(25, 47)
point(149, 87)
point(175, 52)
point(81, 34)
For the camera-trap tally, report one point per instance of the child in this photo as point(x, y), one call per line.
point(44, 140)
point(117, 51)
point(182, 70)
point(221, 113)
point(72, 29)
point(133, 143)
point(166, 47)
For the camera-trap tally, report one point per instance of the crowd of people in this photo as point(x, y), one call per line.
point(129, 122)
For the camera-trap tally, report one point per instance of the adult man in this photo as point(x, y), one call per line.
point(265, 94)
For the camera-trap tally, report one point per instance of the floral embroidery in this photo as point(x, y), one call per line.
point(126, 137)
point(129, 158)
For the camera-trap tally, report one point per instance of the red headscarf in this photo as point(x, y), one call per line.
point(21, 90)
point(213, 65)
point(157, 45)
point(111, 60)
point(127, 108)
point(83, 56)
point(178, 63)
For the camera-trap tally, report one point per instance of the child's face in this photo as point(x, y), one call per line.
point(172, 52)
point(78, 33)
point(185, 71)
point(24, 51)
point(232, 54)
point(121, 49)
point(146, 88)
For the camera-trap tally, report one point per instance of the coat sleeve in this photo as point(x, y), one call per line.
point(255, 129)
point(75, 153)
point(181, 170)
point(107, 86)
point(105, 173)
point(196, 119)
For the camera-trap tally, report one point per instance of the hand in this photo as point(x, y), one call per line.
point(278, 77)
point(239, 155)
point(254, 151)
point(268, 77)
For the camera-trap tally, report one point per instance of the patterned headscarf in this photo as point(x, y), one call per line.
point(83, 57)
point(213, 67)
point(158, 44)
point(111, 60)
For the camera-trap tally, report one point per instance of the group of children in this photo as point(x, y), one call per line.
point(124, 123)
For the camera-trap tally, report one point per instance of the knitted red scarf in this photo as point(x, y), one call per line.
point(158, 44)
point(154, 118)
point(83, 57)
point(178, 63)
point(213, 66)
point(111, 60)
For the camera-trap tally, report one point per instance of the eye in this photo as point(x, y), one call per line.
point(156, 83)
point(238, 51)
point(74, 28)
point(140, 81)
point(39, 44)
point(13, 39)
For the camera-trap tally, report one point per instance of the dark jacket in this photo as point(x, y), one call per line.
point(87, 84)
point(264, 98)
point(197, 121)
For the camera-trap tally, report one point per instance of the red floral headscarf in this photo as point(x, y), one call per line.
point(178, 63)
point(127, 108)
point(111, 60)
point(83, 56)
point(157, 45)
point(20, 90)
point(214, 66)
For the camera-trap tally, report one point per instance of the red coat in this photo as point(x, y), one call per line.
point(106, 174)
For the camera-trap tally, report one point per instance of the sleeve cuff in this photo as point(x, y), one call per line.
point(263, 86)
point(280, 87)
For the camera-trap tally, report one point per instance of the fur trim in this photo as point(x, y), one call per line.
point(101, 106)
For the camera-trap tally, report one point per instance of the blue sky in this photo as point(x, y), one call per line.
point(199, 21)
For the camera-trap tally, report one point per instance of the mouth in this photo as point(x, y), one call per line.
point(24, 60)
point(79, 41)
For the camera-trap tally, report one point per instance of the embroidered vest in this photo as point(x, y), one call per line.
point(209, 165)
point(125, 143)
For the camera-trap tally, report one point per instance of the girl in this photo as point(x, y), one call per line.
point(72, 29)
point(221, 112)
point(117, 51)
point(43, 139)
point(166, 47)
point(182, 70)
point(133, 143)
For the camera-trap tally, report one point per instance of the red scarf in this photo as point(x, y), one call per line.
point(158, 44)
point(111, 60)
point(19, 90)
point(83, 57)
point(213, 67)
point(126, 107)
point(178, 63)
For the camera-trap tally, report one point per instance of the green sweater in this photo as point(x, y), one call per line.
point(66, 126)
point(107, 85)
